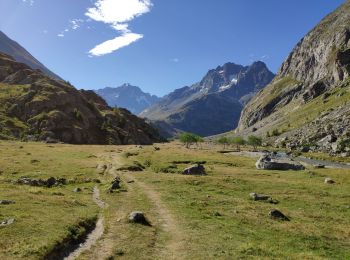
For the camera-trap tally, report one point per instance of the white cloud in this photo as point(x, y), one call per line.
point(176, 60)
point(60, 35)
point(115, 44)
point(118, 11)
point(117, 14)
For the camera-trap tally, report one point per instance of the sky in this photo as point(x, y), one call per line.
point(158, 45)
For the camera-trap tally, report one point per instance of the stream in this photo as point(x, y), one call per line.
point(95, 234)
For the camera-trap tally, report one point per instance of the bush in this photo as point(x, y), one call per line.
point(275, 132)
point(238, 141)
point(188, 139)
point(224, 141)
point(254, 141)
point(77, 114)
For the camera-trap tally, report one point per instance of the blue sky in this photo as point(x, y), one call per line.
point(168, 43)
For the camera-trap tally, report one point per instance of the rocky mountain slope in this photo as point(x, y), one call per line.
point(214, 104)
point(20, 54)
point(308, 102)
point(34, 106)
point(129, 97)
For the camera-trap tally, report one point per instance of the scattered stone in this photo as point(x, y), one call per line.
point(329, 181)
point(7, 222)
point(115, 184)
point(7, 202)
point(271, 162)
point(273, 201)
point(217, 214)
point(156, 148)
point(77, 190)
point(96, 180)
point(50, 182)
point(132, 168)
point(257, 197)
point(276, 214)
point(34, 161)
point(196, 169)
point(138, 217)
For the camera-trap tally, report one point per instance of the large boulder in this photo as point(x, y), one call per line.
point(272, 162)
point(138, 217)
point(196, 169)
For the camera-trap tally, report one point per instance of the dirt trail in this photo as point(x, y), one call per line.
point(96, 234)
point(174, 247)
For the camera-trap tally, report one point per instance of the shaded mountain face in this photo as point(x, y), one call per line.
point(20, 54)
point(36, 107)
point(129, 97)
point(309, 98)
point(213, 105)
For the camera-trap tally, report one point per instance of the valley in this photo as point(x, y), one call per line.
point(182, 209)
point(241, 163)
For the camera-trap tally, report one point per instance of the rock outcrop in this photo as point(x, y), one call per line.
point(270, 162)
point(36, 107)
point(197, 169)
point(309, 98)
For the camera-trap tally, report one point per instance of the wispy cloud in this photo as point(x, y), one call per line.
point(176, 60)
point(117, 14)
point(30, 2)
point(73, 25)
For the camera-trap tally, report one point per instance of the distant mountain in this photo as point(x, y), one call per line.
point(213, 105)
point(129, 97)
point(307, 104)
point(20, 54)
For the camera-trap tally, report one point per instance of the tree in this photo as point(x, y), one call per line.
point(188, 139)
point(224, 141)
point(254, 141)
point(238, 141)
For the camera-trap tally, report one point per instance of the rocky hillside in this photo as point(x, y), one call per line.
point(20, 54)
point(214, 104)
point(35, 107)
point(129, 97)
point(307, 104)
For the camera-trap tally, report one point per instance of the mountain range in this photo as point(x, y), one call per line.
point(129, 97)
point(307, 103)
point(214, 104)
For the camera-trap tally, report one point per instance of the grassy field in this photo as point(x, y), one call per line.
point(192, 217)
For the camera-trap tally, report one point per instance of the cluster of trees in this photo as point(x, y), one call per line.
point(188, 139)
point(239, 141)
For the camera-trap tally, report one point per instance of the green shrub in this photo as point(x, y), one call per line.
point(188, 139)
point(254, 141)
point(77, 114)
point(238, 141)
